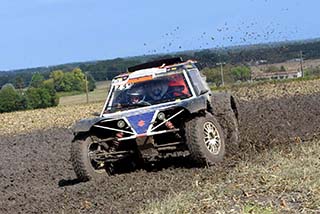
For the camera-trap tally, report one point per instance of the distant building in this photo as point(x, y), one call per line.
point(257, 62)
point(261, 62)
point(277, 75)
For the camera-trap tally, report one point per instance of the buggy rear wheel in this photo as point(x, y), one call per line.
point(205, 140)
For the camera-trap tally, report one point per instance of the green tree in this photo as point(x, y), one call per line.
point(91, 83)
point(19, 83)
point(78, 80)
point(68, 81)
point(38, 98)
point(57, 77)
point(213, 75)
point(49, 85)
point(41, 93)
point(282, 68)
point(242, 73)
point(10, 99)
point(312, 71)
point(36, 80)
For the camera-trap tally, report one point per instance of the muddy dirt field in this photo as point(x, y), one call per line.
point(37, 176)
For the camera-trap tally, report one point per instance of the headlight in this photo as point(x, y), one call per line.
point(121, 124)
point(161, 116)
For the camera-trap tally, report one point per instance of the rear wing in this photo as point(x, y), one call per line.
point(154, 64)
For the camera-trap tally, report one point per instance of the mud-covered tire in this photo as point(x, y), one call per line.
point(81, 161)
point(225, 109)
point(195, 140)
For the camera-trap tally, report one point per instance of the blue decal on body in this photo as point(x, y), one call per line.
point(141, 122)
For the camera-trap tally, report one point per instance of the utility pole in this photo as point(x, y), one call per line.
point(221, 72)
point(301, 64)
point(87, 95)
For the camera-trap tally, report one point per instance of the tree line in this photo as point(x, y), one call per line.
point(242, 55)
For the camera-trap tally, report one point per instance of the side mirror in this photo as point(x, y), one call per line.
point(97, 114)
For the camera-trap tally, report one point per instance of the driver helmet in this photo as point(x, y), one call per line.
point(136, 95)
point(158, 89)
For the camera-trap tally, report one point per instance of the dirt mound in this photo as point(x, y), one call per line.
point(293, 118)
point(37, 176)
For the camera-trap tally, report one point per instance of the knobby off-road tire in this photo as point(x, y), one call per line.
point(81, 161)
point(226, 112)
point(196, 139)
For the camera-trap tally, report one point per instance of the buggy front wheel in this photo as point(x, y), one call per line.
point(205, 140)
point(87, 166)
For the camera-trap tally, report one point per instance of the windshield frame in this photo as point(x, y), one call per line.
point(107, 108)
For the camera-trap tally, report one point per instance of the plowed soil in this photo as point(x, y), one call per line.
point(37, 176)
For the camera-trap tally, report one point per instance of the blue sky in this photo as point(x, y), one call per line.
point(48, 32)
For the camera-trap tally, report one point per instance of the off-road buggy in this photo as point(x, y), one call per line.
point(157, 109)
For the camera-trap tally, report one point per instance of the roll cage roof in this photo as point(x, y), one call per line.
point(154, 64)
point(154, 67)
